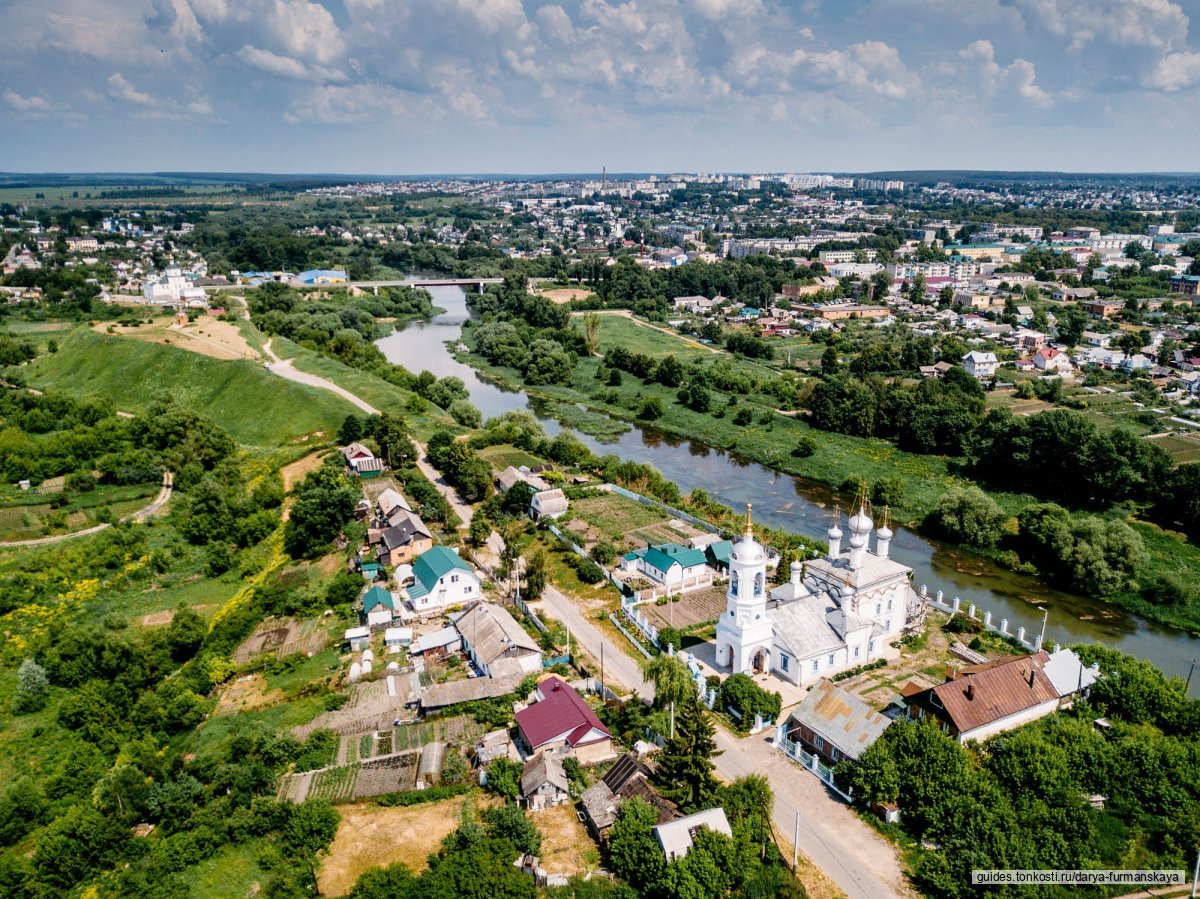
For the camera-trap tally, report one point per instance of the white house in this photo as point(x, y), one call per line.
point(1049, 359)
point(670, 565)
point(440, 579)
point(548, 504)
point(675, 838)
point(980, 364)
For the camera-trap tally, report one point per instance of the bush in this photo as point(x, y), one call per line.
point(416, 797)
point(740, 693)
point(806, 445)
point(504, 778)
point(887, 491)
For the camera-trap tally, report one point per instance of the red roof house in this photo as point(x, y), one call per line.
point(560, 718)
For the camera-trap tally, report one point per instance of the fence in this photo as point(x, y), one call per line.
point(984, 617)
point(530, 614)
point(808, 761)
point(628, 636)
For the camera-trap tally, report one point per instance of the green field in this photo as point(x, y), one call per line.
point(26, 514)
point(505, 454)
point(254, 406)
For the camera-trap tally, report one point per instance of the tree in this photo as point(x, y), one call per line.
point(970, 516)
point(33, 688)
point(352, 429)
point(633, 852)
point(672, 682)
point(652, 409)
point(324, 503)
point(1131, 342)
point(310, 829)
point(504, 778)
point(740, 693)
point(535, 574)
point(548, 363)
point(480, 530)
point(509, 822)
point(685, 768)
point(591, 332)
point(1070, 325)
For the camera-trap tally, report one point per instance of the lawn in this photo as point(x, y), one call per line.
point(254, 406)
point(232, 871)
point(503, 455)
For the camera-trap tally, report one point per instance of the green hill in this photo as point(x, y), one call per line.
point(254, 406)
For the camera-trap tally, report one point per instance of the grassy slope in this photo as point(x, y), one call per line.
point(376, 391)
point(254, 406)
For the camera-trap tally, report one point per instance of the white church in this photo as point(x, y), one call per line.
point(834, 613)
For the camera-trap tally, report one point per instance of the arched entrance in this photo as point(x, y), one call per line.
point(762, 661)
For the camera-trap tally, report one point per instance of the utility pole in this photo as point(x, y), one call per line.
point(1187, 685)
point(1196, 876)
point(602, 696)
point(796, 843)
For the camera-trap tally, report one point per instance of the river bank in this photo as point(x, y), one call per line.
point(801, 505)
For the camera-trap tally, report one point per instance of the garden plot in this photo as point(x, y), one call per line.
point(626, 522)
point(697, 607)
point(373, 706)
point(1183, 448)
point(460, 730)
point(282, 637)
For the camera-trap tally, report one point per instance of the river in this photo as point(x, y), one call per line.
point(802, 507)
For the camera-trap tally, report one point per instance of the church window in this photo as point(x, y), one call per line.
point(878, 608)
point(816, 665)
point(784, 661)
point(856, 651)
point(758, 584)
point(830, 663)
point(733, 582)
point(889, 605)
point(887, 625)
point(870, 647)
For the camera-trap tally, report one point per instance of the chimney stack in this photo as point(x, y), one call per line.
point(970, 690)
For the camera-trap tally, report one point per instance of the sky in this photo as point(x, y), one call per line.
point(534, 86)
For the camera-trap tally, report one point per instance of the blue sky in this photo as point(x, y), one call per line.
point(411, 86)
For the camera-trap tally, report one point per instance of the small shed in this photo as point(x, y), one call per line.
point(359, 638)
point(548, 504)
point(397, 638)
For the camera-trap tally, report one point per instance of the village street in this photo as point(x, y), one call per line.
point(852, 855)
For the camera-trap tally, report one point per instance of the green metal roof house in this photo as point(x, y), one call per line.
point(441, 578)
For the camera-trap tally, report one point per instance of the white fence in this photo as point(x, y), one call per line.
point(808, 761)
point(984, 617)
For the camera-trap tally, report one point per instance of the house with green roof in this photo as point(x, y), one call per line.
point(672, 565)
point(441, 579)
point(378, 607)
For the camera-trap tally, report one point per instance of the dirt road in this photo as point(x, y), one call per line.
point(159, 502)
point(285, 369)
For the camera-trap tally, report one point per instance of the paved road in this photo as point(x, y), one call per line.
point(164, 495)
point(285, 369)
point(852, 855)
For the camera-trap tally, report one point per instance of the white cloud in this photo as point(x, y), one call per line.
point(120, 88)
point(977, 66)
point(306, 29)
point(1175, 72)
point(32, 103)
point(1159, 24)
point(286, 66)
